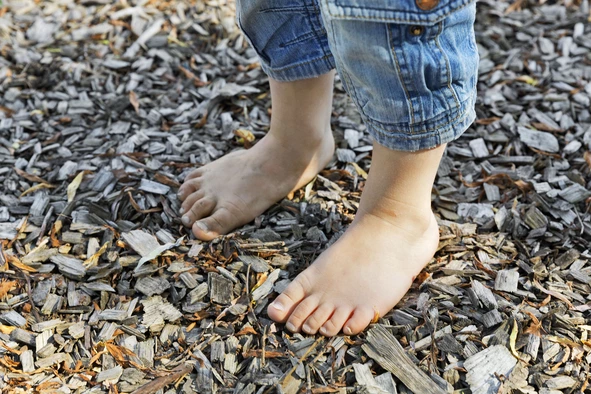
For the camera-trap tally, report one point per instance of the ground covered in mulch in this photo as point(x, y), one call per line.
point(104, 108)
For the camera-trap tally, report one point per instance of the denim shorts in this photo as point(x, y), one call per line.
point(410, 66)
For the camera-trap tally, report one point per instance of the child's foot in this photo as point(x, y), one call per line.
point(236, 188)
point(367, 271)
point(370, 268)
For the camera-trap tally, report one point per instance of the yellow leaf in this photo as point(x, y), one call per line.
point(14, 261)
point(93, 260)
point(261, 280)
point(513, 339)
point(527, 79)
point(359, 170)
point(37, 187)
point(245, 137)
point(74, 185)
point(65, 249)
point(6, 329)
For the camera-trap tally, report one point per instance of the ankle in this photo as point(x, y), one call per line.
point(305, 138)
point(415, 220)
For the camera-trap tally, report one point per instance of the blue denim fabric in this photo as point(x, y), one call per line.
point(411, 72)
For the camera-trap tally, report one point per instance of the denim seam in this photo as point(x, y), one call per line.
point(342, 16)
point(402, 82)
point(344, 74)
point(412, 143)
point(320, 22)
point(447, 66)
point(282, 9)
point(379, 126)
point(315, 31)
point(406, 63)
point(296, 65)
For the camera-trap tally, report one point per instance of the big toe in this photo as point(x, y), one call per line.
point(360, 319)
point(280, 309)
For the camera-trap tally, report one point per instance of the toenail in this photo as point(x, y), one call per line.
point(347, 331)
point(290, 327)
point(277, 305)
point(186, 221)
point(182, 211)
point(202, 226)
point(323, 331)
point(307, 329)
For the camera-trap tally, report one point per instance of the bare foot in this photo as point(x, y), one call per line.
point(235, 189)
point(367, 271)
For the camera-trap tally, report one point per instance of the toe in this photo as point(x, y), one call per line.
point(284, 304)
point(301, 313)
point(334, 325)
point(201, 208)
point(188, 187)
point(190, 200)
point(359, 321)
point(221, 221)
point(317, 319)
point(196, 173)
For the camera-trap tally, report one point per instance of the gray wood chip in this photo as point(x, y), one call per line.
point(506, 280)
point(69, 266)
point(538, 139)
point(149, 285)
point(111, 375)
point(153, 187)
point(27, 359)
point(485, 367)
point(13, 318)
point(220, 289)
point(267, 287)
point(383, 347)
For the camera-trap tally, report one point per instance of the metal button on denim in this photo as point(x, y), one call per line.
point(416, 30)
point(427, 5)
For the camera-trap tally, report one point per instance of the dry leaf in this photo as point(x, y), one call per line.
point(74, 185)
point(93, 260)
point(376, 315)
point(55, 229)
point(30, 177)
point(6, 286)
point(513, 339)
point(37, 187)
point(245, 137)
point(134, 101)
point(587, 156)
point(359, 170)
point(14, 261)
point(260, 281)
point(6, 329)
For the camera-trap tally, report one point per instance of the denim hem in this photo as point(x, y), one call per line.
point(305, 70)
point(405, 140)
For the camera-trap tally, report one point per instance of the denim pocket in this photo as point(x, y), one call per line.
point(416, 12)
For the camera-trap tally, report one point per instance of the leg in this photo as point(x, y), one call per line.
point(293, 51)
point(238, 187)
point(414, 87)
